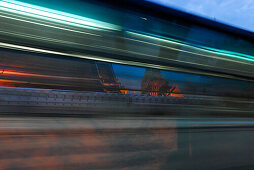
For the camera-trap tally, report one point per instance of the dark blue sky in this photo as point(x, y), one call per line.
point(238, 13)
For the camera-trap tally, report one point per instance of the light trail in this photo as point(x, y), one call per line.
point(203, 48)
point(25, 74)
point(61, 20)
point(54, 16)
point(116, 61)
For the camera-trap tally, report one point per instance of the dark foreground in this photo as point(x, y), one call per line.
point(126, 143)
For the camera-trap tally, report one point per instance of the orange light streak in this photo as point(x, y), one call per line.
point(25, 74)
point(10, 83)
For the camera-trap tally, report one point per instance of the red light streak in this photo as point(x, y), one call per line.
point(25, 74)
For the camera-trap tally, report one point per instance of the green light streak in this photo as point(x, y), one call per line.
point(54, 16)
point(28, 10)
point(201, 48)
point(230, 52)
